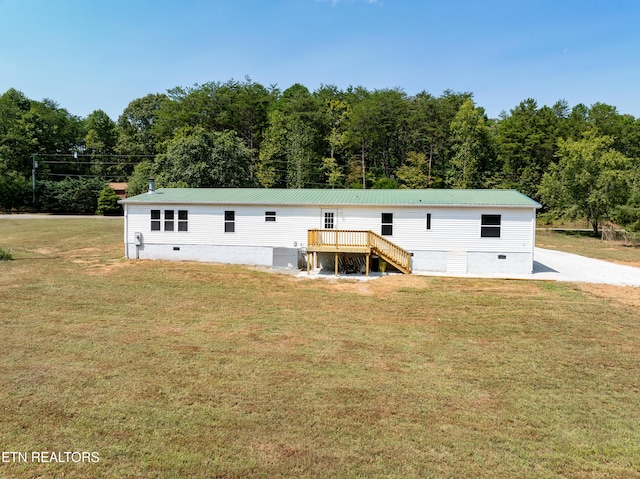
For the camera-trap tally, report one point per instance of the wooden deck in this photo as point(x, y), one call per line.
point(356, 241)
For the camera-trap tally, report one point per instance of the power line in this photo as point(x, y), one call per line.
point(59, 162)
point(78, 175)
point(92, 155)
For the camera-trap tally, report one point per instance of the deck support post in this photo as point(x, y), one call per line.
point(309, 256)
point(336, 264)
point(367, 264)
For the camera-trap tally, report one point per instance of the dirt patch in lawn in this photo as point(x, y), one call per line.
point(373, 286)
point(394, 283)
point(100, 269)
point(42, 250)
point(627, 295)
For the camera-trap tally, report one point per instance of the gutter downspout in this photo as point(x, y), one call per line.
point(533, 237)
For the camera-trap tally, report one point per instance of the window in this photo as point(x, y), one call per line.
point(183, 220)
point(168, 220)
point(387, 224)
point(270, 216)
point(155, 220)
point(229, 221)
point(490, 226)
point(428, 221)
point(329, 222)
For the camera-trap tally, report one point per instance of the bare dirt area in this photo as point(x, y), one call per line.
point(627, 295)
point(381, 286)
point(100, 269)
point(374, 286)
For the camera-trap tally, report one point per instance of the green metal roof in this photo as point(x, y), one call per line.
point(341, 197)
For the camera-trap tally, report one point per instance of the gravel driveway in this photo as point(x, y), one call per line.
point(559, 266)
point(554, 265)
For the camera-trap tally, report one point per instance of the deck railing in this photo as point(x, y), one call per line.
point(339, 238)
point(360, 241)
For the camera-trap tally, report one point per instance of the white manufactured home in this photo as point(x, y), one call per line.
point(448, 231)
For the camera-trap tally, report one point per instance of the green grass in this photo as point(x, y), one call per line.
point(196, 370)
point(5, 255)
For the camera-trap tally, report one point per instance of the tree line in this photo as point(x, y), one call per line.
point(581, 161)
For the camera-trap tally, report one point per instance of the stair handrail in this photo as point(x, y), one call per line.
point(390, 251)
point(398, 256)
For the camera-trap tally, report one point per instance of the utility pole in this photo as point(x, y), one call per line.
point(33, 177)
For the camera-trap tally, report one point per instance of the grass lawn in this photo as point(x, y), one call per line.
point(173, 370)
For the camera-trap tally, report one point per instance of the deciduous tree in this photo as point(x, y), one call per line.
point(589, 180)
point(200, 158)
point(526, 142)
point(469, 146)
point(414, 174)
point(291, 153)
point(137, 126)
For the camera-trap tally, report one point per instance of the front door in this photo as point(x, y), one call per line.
point(329, 219)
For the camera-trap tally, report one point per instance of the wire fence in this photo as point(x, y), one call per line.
point(609, 233)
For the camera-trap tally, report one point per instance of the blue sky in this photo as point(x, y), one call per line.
point(89, 54)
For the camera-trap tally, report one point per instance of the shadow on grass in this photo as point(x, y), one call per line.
point(580, 233)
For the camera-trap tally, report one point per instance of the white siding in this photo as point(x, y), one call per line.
point(206, 226)
point(453, 229)
point(457, 262)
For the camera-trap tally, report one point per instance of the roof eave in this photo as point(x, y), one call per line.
point(336, 205)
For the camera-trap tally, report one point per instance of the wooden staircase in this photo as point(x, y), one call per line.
point(358, 241)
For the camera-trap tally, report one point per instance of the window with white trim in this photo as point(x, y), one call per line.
point(168, 220)
point(155, 220)
point(387, 224)
point(183, 220)
point(490, 226)
point(165, 220)
point(428, 221)
point(229, 221)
